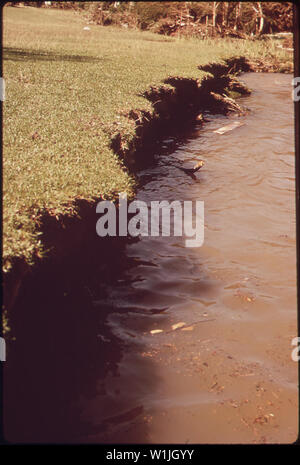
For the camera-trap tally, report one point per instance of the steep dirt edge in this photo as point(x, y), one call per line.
point(183, 100)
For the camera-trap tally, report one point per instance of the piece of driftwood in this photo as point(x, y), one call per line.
point(229, 127)
point(179, 326)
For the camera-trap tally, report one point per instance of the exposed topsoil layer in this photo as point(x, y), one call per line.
point(182, 102)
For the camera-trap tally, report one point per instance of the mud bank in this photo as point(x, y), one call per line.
point(178, 102)
point(85, 365)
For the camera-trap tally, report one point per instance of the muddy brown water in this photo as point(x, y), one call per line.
point(228, 375)
point(230, 379)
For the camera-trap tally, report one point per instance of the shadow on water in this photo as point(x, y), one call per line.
point(17, 54)
point(63, 347)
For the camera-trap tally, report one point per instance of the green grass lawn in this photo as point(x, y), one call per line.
point(65, 88)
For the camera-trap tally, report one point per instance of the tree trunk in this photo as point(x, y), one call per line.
point(259, 21)
point(225, 14)
point(261, 18)
point(237, 15)
point(214, 13)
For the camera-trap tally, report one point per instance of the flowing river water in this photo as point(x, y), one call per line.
point(230, 379)
point(227, 376)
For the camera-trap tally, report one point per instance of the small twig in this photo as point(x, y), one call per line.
point(188, 325)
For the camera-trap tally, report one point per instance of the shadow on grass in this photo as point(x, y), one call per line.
point(17, 54)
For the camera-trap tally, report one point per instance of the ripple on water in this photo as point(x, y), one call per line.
point(243, 278)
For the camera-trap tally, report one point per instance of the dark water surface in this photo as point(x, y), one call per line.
point(230, 378)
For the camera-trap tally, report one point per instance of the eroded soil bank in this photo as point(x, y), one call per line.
point(84, 366)
point(177, 103)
